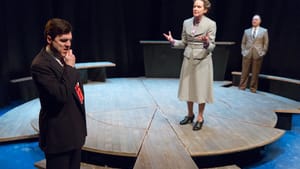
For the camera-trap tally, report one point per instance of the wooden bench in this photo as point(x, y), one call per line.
point(282, 86)
point(42, 165)
point(96, 71)
point(80, 66)
point(23, 88)
point(284, 120)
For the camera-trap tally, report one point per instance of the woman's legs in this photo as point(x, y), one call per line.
point(190, 117)
point(201, 107)
point(190, 109)
point(200, 120)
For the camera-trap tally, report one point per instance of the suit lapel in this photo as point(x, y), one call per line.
point(249, 33)
point(189, 26)
point(59, 71)
point(54, 64)
point(259, 32)
point(200, 29)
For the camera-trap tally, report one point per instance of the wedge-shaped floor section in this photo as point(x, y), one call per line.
point(162, 149)
point(222, 136)
point(118, 133)
point(16, 124)
point(42, 165)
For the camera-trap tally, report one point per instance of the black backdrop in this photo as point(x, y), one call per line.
point(111, 30)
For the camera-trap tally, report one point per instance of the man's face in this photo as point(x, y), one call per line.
point(198, 8)
point(256, 21)
point(61, 43)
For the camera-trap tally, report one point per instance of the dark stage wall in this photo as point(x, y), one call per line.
point(111, 30)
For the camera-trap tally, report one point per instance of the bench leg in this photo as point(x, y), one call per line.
point(97, 74)
point(236, 80)
point(24, 91)
point(284, 121)
point(83, 75)
point(28, 91)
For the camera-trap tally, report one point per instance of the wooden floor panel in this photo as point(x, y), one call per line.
point(115, 95)
point(162, 149)
point(120, 111)
point(42, 165)
point(16, 124)
point(121, 136)
point(223, 136)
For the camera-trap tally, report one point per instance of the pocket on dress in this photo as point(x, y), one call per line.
point(187, 52)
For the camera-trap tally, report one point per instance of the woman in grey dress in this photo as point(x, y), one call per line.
point(196, 77)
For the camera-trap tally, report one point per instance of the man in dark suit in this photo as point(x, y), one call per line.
point(62, 120)
point(254, 46)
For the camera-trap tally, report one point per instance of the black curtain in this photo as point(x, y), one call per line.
point(111, 31)
point(280, 17)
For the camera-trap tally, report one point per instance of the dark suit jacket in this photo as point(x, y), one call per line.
point(62, 120)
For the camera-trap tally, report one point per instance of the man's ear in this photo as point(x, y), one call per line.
point(49, 39)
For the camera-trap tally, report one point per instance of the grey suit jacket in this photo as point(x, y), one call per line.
point(260, 43)
point(194, 47)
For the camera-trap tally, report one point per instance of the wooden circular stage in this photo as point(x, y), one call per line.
point(139, 117)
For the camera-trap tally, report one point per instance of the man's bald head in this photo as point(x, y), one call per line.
point(256, 20)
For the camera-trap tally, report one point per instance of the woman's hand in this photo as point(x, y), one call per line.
point(169, 37)
point(205, 40)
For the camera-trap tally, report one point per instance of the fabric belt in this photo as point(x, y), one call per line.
point(195, 45)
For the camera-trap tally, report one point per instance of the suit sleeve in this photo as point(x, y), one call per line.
point(266, 42)
point(180, 44)
point(57, 88)
point(212, 29)
point(243, 44)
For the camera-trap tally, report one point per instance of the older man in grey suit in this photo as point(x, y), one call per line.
point(254, 46)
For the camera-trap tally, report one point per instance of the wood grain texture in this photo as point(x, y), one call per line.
point(291, 111)
point(16, 124)
point(42, 165)
point(119, 133)
point(161, 148)
point(120, 113)
point(226, 167)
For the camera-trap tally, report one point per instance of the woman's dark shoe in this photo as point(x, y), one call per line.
point(187, 119)
point(198, 125)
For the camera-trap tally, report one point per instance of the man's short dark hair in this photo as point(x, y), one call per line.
point(57, 26)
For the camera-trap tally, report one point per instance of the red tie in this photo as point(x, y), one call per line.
point(79, 93)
